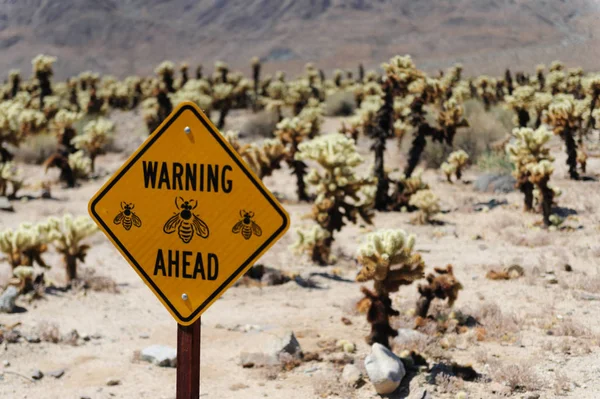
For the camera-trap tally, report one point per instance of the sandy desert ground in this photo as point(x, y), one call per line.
point(542, 330)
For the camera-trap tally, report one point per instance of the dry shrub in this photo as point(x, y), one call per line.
point(497, 325)
point(533, 240)
point(567, 327)
point(326, 387)
point(586, 283)
point(485, 129)
point(36, 149)
point(495, 162)
point(561, 383)
point(448, 384)
point(340, 103)
point(261, 124)
point(48, 332)
point(518, 376)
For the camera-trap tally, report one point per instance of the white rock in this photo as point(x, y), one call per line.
point(161, 355)
point(385, 370)
point(8, 298)
point(351, 375)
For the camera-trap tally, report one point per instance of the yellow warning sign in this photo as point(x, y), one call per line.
point(188, 214)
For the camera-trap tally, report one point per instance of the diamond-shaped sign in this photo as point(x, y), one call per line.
point(188, 214)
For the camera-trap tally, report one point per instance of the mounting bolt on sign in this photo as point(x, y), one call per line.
point(190, 217)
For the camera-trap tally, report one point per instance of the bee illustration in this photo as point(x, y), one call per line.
point(247, 226)
point(185, 222)
point(127, 217)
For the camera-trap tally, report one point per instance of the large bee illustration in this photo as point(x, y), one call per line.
point(185, 222)
point(247, 226)
point(127, 217)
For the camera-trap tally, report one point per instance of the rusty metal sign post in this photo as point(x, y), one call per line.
point(190, 217)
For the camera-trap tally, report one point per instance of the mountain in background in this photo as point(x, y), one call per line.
point(124, 37)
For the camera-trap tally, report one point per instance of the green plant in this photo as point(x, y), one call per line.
point(96, 136)
point(428, 204)
point(341, 195)
point(455, 165)
point(386, 258)
point(67, 234)
point(533, 167)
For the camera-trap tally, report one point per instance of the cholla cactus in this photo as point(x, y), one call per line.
point(26, 244)
point(63, 128)
point(341, 195)
point(457, 160)
point(10, 174)
point(67, 234)
point(521, 101)
point(197, 91)
point(166, 71)
point(223, 95)
point(405, 188)
point(428, 204)
point(96, 136)
point(81, 165)
point(388, 259)
point(291, 132)
point(533, 166)
point(17, 122)
point(443, 286)
point(42, 68)
point(312, 241)
point(265, 157)
point(564, 114)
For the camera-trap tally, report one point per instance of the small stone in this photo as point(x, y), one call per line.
point(111, 382)
point(340, 358)
point(531, 396)
point(289, 344)
point(8, 298)
point(461, 395)
point(12, 336)
point(37, 375)
point(6, 363)
point(385, 369)
point(160, 355)
point(550, 279)
point(568, 268)
point(5, 204)
point(56, 373)
point(346, 321)
point(33, 339)
point(144, 336)
point(352, 376)
point(256, 359)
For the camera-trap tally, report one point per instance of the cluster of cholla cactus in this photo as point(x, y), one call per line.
point(420, 100)
point(387, 258)
point(533, 168)
point(96, 136)
point(455, 164)
point(294, 131)
point(25, 245)
point(341, 195)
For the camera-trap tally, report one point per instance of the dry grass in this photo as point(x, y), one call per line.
point(495, 324)
point(517, 376)
point(448, 384)
point(485, 129)
point(340, 103)
point(259, 125)
point(36, 149)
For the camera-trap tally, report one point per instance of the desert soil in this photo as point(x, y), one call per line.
point(550, 329)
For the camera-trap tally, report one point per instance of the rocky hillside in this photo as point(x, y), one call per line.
point(132, 36)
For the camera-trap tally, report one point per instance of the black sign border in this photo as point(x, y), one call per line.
point(134, 160)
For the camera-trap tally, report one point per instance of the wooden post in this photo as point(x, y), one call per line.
point(188, 361)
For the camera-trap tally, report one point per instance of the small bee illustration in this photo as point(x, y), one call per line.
point(247, 226)
point(185, 222)
point(127, 217)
